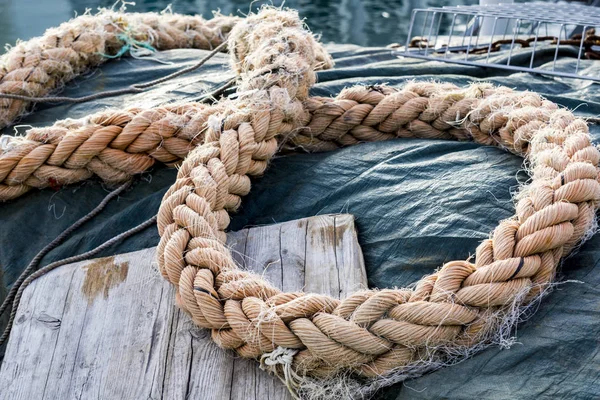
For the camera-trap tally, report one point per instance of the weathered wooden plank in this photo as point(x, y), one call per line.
point(351, 279)
point(109, 328)
point(293, 254)
point(280, 265)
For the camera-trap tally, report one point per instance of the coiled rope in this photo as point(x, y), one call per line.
point(37, 67)
point(304, 336)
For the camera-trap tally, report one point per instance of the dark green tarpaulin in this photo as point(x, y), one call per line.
point(417, 204)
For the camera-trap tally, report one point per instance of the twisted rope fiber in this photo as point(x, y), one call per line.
point(108, 144)
point(371, 333)
point(135, 88)
point(39, 66)
point(117, 144)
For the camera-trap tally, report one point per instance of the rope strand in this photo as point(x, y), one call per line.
point(37, 67)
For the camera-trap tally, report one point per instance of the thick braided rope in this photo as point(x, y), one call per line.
point(113, 145)
point(371, 332)
point(39, 66)
point(116, 144)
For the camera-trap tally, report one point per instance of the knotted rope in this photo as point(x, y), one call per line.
point(300, 335)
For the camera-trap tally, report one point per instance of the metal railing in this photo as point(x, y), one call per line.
point(528, 37)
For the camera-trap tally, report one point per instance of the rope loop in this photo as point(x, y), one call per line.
point(372, 332)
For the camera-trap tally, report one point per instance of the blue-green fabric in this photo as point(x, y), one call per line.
point(417, 205)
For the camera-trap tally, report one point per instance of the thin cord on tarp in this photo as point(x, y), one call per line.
point(26, 278)
point(56, 242)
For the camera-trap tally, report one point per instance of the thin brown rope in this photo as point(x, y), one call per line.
point(33, 264)
point(69, 260)
point(300, 335)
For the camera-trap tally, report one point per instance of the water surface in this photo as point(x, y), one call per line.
point(362, 22)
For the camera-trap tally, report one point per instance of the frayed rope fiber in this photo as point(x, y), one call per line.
point(373, 337)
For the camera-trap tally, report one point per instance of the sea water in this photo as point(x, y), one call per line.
point(362, 22)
